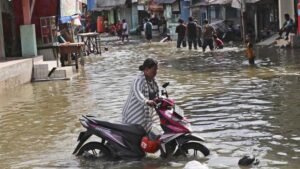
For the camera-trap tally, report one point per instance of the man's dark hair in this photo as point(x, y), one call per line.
point(180, 20)
point(287, 15)
point(205, 21)
point(148, 63)
point(191, 19)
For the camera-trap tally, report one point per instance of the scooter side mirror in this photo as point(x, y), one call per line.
point(165, 85)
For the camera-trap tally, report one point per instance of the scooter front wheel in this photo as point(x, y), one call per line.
point(94, 150)
point(192, 149)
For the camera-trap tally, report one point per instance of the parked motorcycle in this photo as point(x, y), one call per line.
point(130, 141)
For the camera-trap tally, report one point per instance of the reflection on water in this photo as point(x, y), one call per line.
point(239, 109)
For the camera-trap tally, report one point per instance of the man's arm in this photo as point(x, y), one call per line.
point(289, 23)
point(213, 30)
point(284, 25)
point(137, 90)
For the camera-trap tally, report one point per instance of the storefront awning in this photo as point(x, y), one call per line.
point(154, 7)
point(252, 1)
point(220, 2)
point(164, 1)
point(110, 3)
point(83, 1)
point(102, 5)
point(108, 8)
point(199, 4)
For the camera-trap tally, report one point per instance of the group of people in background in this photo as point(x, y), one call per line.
point(197, 36)
point(190, 34)
point(120, 29)
point(205, 36)
point(148, 24)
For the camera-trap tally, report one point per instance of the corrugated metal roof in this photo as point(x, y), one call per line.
point(164, 1)
point(252, 1)
point(199, 4)
point(219, 2)
point(83, 1)
point(103, 8)
point(109, 3)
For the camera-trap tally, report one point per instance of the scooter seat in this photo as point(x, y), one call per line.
point(128, 128)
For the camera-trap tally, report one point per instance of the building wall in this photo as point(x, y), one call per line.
point(3, 8)
point(41, 8)
point(134, 15)
point(185, 10)
point(125, 13)
point(285, 6)
point(2, 50)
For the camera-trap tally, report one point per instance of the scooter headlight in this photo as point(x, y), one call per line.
point(189, 127)
point(83, 123)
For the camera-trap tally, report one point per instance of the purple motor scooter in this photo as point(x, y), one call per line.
point(123, 141)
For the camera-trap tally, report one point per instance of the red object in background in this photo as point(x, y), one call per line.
point(100, 24)
point(298, 9)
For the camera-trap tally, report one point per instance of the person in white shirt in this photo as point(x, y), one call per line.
point(124, 30)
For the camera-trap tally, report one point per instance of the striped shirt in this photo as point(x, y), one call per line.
point(135, 110)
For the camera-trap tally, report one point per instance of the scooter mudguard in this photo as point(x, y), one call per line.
point(166, 138)
point(83, 136)
point(189, 137)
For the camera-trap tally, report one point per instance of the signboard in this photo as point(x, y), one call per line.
point(140, 7)
point(168, 11)
point(176, 7)
point(69, 7)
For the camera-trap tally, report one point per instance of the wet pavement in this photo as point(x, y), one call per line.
point(239, 109)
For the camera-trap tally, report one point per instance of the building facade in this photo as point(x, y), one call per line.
point(5, 28)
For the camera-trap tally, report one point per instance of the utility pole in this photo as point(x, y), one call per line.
point(298, 11)
point(243, 12)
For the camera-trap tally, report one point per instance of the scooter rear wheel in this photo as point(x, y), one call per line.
point(191, 150)
point(94, 150)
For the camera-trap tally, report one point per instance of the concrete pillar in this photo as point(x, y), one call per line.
point(223, 12)
point(134, 16)
point(26, 12)
point(28, 40)
point(285, 6)
point(256, 24)
point(2, 49)
point(28, 36)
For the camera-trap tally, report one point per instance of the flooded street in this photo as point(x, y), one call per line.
point(239, 109)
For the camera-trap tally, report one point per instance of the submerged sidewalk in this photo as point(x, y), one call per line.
point(15, 72)
point(294, 41)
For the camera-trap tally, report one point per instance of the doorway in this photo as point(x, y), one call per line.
point(7, 34)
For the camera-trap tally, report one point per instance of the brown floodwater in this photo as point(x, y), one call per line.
point(239, 109)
